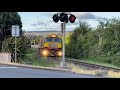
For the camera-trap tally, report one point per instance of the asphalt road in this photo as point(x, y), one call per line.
point(18, 72)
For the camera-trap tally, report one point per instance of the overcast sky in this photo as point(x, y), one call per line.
point(42, 21)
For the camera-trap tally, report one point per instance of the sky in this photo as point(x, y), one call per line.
point(42, 21)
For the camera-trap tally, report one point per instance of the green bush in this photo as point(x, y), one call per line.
point(23, 44)
point(101, 44)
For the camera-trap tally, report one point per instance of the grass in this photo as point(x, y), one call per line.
point(99, 62)
point(79, 70)
point(32, 58)
point(111, 74)
point(45, 63)
point(114, 74)
point(111, 61)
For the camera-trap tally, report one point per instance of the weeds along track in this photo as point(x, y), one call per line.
point(89, 65)
point(53, 59)
point(83, 64)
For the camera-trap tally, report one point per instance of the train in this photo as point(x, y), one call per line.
point(51, 45)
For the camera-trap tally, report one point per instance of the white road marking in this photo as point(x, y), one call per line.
point(8, 67)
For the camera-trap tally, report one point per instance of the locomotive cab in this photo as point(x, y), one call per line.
point(52, 46)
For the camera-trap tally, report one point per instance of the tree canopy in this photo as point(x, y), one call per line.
point(7, 19)
point(84, 42)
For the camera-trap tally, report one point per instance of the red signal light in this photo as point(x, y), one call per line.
point(72, 18)
point(64, 18)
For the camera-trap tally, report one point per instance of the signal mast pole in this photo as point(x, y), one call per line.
point(64, 19)
point(63, 27)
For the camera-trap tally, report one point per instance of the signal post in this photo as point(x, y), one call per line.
point(63, 27)
point(63, 17)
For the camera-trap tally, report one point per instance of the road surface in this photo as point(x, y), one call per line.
point(19, 72)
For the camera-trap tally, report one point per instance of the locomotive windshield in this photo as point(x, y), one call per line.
point(53, 40)
point(58, 40)
point(49, 40)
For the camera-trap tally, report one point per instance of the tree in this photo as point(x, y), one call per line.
point(7, 19)
point(74, 47)
point(101, 44)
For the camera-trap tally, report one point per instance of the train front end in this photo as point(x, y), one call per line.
point(52, 46)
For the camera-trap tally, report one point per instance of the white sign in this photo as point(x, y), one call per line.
point(15, 30)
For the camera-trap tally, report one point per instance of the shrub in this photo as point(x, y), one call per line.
point(23, 44)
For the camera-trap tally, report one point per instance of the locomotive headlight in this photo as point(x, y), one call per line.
point(59, 53)
point(45, 52)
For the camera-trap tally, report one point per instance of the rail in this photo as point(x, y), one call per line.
point(95, 66)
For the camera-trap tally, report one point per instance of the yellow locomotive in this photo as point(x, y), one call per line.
point(51, 45)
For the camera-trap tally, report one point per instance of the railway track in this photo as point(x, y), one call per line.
point(89, 65)
point(84, 64)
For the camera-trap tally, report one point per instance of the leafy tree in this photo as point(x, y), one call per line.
point(73, 45)
point(103, 43)
point(34, 39)
point(7, 19)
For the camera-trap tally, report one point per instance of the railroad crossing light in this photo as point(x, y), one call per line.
point(63, 17)
point(55, 18)
point(72, 18)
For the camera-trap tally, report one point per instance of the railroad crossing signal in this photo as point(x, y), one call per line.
point(63, 17)
point(72, 18)
point(55, 18)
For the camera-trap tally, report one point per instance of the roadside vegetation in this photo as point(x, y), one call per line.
point(7, 19)
point(76, 69)
point(25, 54)
point(34, 39)
point(23, 44)
point(33, 58)
point(92, 61)
point(7, 42)
point(101, 45)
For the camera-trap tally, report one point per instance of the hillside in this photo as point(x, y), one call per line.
point(44, 33)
